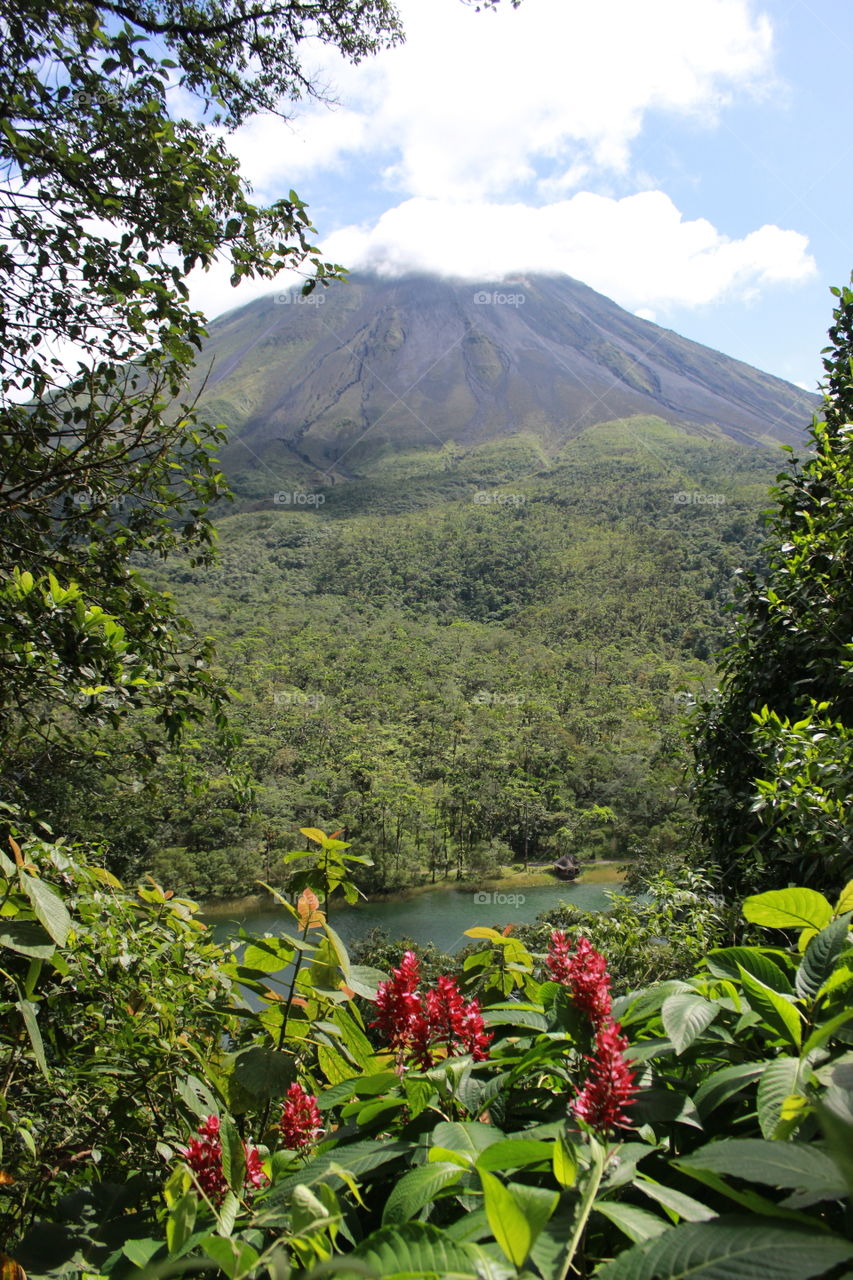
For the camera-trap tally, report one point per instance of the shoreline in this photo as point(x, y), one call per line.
point(603, 871)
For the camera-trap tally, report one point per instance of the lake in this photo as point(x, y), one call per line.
point(440, 916)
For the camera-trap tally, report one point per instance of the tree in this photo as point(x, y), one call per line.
point(774, 752)
point(108, 201)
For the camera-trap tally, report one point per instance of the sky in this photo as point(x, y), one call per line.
point(691, 159)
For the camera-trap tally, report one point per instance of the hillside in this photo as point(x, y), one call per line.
point(327, 387)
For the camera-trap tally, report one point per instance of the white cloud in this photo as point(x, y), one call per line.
point(638, 250)
point(475, 105)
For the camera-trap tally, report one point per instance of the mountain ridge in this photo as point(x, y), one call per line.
point(332, 382)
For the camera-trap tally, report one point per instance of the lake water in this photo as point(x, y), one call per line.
point(440, 916)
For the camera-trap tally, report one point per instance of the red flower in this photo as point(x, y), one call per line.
point(610, 1085)
point(398, 1004)
point(300, 1121)
point(585, 971)
point(416, 1024)
point(204, 1157)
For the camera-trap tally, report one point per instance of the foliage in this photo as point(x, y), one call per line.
point(773, 751)
point(109, 201)
point(736, 1161)
point(662, 933)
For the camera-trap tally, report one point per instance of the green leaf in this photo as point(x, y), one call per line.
point(565, 1162)
point(725, 1084)
point(49, 908)
point(795, 908)
point(266, 956)
point(233, 1155)
point(724, 963)
point(358, 1159)
point(507, 1220)
point(365, 980)
point(416, 1189)
point(637, 1224)
point(685, 1017)
point(780, 1079)
point(468, 1137)
point(418, 1251)
point(731, 1248)
point(820, 956)
point(27, 1011)
point(180, 1222)
point(264, 1073)
point(775, 1011)
point(27, 937)
point(776, 1164)
point(515, 1153)
point(845, 899)
point(234, 1257)
point(677, 1203)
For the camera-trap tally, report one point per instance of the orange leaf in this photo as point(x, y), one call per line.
point(6, 1179)
point(308, 913)
point(9, 1269)
point(19, 860)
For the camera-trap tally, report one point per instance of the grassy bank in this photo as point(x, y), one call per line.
point(601, 872)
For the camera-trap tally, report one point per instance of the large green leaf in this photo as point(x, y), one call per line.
point(416, 1189)
point(359, 1159)
point(779, 1080)
point(731, 1248)
point(27, 937)
point(677, 1203)
point(515, 1153)
point(775, 1164)
point(795, 908)
point(516, 1214)
point(637, 1224)
point(468, 1137)
point(775, 1011)
point(725, 1084)
point(820, 956)
point(418, 1251)
point(685, 1017)
point(264, 1073)
point(726, 962)
point(48, 907)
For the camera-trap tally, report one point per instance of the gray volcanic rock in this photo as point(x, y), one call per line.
point(375, 365)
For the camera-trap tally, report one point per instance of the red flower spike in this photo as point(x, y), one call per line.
point(301, 1120)
point(610, 1086)
point(398, 1004)
point(584, 970)
point(419, 1025)
point(204, 1157)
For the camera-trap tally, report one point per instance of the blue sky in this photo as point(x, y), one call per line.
point(692, 159)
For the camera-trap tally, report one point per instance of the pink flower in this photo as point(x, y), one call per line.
point(609, 1088)
point(300, 1121)
point(204, 1157)
point(584, 970)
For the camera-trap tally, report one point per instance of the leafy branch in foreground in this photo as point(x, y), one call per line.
point(282, 1140)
